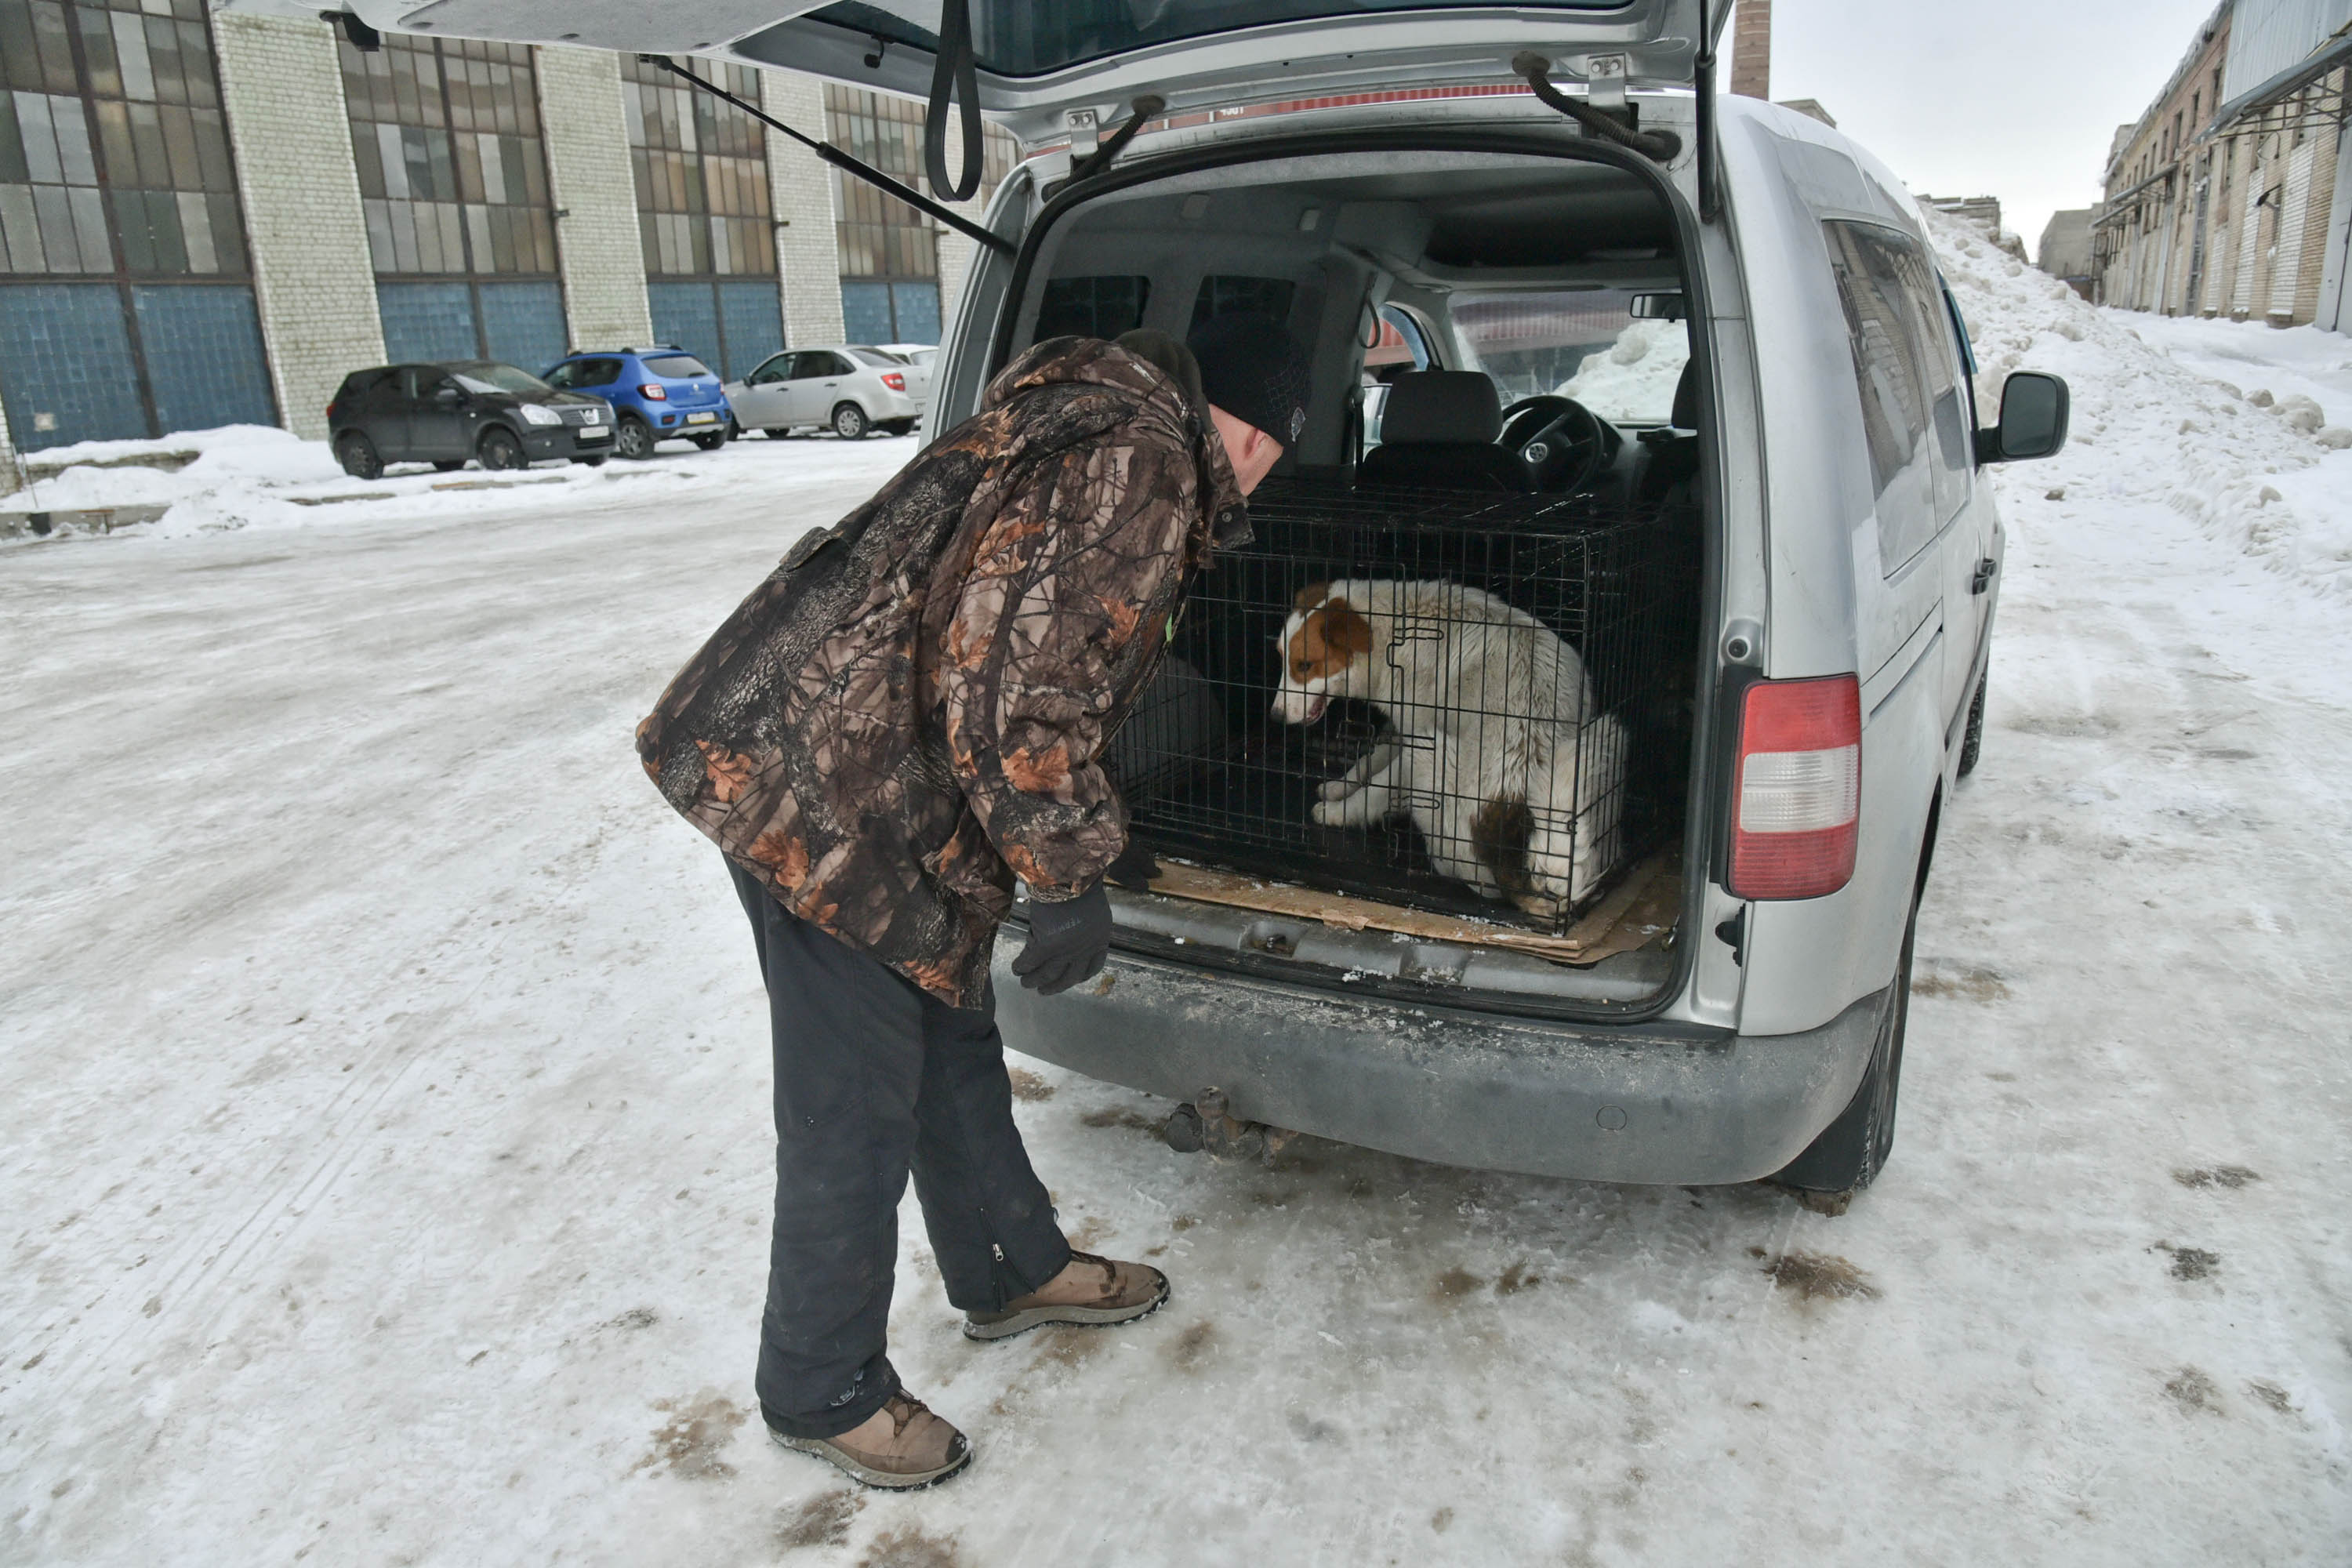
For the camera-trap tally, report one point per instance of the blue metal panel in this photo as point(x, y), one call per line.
point(866, 310)
point(65, 362)
point(202, 345)
point(522, 323)
point(917, 308)
point(428, 321)
point(753, 316)
point(685, 314)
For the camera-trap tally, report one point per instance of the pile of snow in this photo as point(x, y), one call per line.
point(1634, 379)
point(2265, 475)
point(253, 476)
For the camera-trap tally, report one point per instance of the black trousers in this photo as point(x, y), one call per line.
point(876, 1079)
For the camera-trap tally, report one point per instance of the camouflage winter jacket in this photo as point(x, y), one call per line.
point(911, 708)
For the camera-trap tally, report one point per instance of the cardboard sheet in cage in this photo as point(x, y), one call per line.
point(1637, 912)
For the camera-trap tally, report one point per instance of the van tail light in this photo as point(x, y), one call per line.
point(655, 391)
point(894, 381)
point(1798, 808)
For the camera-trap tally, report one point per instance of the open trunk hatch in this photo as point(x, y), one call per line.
point(1035, 63)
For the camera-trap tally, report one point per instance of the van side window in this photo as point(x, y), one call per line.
point(1221, 295)
point(1913, 414)
point(1092, 306)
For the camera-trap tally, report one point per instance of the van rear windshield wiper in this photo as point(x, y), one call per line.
point(840, 160)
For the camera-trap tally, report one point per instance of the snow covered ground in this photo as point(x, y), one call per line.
point(387, 1167)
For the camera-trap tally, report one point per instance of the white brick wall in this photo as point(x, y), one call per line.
point(312, 280)
point(955, 251)
point(583, 115)
point(808, 251)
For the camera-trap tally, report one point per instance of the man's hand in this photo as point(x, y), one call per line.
point(1068, 942)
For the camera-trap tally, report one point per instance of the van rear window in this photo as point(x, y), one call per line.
point(1221, 296)
point(1092, 306)
point(676, 365)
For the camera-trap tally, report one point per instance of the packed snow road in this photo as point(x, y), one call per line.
point(387, 1163)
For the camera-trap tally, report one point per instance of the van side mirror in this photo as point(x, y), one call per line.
point(2033, 410)
point(447, 395)
point(1658, 307)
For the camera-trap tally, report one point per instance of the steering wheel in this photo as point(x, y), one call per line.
point(1562, 442)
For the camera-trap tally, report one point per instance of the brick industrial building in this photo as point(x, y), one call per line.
point(212, 216)
point(2231, 196)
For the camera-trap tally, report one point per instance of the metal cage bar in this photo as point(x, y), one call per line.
point(1506, 726)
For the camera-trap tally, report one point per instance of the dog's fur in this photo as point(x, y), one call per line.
point(1492, 754)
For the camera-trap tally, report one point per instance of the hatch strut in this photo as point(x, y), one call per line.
point(1146, 105)
point(1660, 146)
point(845, 162)
point(1703, 85)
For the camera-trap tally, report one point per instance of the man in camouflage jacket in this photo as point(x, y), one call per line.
point(910, 712)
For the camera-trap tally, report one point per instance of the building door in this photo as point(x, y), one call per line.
point(126, 301)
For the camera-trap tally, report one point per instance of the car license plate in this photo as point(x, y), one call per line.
point(702, 419)
point(597, 433)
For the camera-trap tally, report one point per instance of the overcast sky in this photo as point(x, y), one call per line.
point(2016, 99)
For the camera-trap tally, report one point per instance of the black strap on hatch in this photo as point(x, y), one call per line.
point(955, 73)
point(1659, 146)
point(843, 161)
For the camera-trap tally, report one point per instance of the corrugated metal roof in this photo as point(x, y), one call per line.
point(2267, 37)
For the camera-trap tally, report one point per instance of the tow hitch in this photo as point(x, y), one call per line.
point(1207, 1124)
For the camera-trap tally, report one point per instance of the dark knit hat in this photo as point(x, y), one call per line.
point(1252, 370)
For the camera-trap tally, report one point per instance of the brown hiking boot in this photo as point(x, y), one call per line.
point(901, 1446)
point(1090, 1290)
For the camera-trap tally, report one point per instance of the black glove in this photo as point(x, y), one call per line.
point(1134, 868)
point(1068, 941)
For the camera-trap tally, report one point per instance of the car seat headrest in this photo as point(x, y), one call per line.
point(1426, 407)
point(1686, 414)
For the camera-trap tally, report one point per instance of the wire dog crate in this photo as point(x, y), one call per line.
point(1458, 762)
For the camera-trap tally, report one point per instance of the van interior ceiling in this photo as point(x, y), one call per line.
point(1445, 692)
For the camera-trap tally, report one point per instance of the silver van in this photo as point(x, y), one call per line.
point(1671, 378)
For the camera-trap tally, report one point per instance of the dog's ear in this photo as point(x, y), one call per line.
point(1330, 637)
point(1311, 595)
point(1346, 632)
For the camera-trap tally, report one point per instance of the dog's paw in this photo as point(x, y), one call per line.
point(1326, 811)
point(1338, 789)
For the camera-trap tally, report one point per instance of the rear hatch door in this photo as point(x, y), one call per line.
point(1037, 63)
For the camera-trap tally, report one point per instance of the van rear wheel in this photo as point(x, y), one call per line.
point(1852, 1150)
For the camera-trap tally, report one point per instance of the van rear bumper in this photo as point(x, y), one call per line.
point(1655, 1103)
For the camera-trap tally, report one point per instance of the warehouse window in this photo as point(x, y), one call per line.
point(889, 252)
point(118, 196)
point(453, 179)
point(704, 215)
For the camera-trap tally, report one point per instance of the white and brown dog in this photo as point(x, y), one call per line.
point(1514, 787)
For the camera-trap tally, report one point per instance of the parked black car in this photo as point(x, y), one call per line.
point(448, 414)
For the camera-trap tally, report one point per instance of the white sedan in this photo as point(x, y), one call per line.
point(848, 388)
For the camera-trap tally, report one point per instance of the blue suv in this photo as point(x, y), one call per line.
point(657, 393)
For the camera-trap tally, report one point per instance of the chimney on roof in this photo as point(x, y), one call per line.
point(1751, 49)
